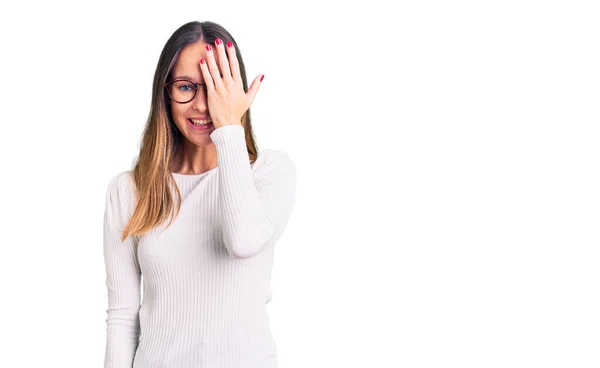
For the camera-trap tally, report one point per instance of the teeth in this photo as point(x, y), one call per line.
point(201, 122)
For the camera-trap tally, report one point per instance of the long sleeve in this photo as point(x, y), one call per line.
point(255, 209)
point(122, 276)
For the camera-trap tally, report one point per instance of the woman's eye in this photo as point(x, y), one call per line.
point(186, 88)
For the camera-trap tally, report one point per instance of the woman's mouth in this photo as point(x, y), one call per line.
point(201, 124)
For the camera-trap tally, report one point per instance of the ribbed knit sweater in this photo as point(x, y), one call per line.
point(206, 278)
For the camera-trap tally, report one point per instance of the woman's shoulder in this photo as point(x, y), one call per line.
point(121, 184)
point(272, 162)
point(273, 158)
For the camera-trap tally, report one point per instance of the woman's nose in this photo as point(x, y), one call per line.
point(199, 102)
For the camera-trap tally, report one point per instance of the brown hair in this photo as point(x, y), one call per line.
point(157, 193)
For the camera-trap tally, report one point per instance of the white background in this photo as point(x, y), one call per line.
point(448, 186)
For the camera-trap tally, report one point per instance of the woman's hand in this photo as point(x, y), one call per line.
point(227, 101)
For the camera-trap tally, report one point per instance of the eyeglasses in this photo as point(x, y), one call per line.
point(182, 90)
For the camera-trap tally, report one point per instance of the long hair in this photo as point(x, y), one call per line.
point(158, 196)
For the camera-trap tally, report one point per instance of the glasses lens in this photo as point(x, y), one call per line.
point(182, 91)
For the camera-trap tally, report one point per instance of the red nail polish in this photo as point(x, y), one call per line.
point(208, 47)
point(261, 78)
point(202, 61)
point(229, 44)
point(218, 41)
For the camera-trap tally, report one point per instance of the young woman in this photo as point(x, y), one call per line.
point(206, 273)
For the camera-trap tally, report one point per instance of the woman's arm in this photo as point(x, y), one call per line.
point(122, 275)
point(254, 211)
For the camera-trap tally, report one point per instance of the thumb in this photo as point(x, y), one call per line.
point(254, 87)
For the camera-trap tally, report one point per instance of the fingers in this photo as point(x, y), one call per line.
point(233, 62)
point(213, 68)
point(227, 75)
point(223, 60)
point(208, 80)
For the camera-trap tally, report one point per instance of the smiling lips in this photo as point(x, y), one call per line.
point(200, 121)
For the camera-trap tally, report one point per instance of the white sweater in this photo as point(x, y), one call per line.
point(206, 278)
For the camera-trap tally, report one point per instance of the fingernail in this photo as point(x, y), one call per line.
point(218, 41)
point(208, 47)
point(261, 78)
point(229, 44)
point(202, 61)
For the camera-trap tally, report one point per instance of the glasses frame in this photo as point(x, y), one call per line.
point(196, 85)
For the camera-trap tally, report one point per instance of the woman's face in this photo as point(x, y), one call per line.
point(188, 68)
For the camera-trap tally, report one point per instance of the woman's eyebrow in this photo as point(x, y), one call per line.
point(189, 78)
point(184, 77)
